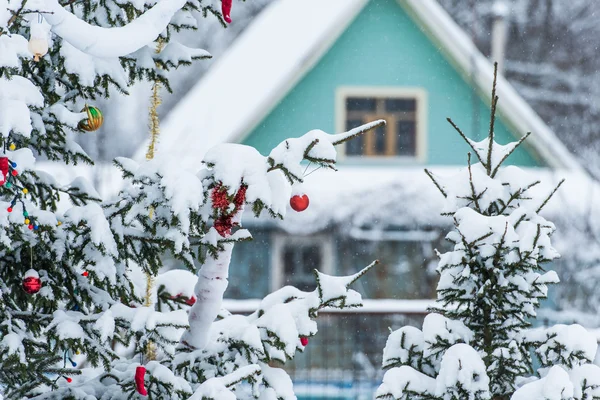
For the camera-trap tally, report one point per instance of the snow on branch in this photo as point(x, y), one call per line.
point(217, 388)
point(110, 42)
point(334, 291)
point(568, 345)
point(355, 132)
point(315, 146)
point(281, 326)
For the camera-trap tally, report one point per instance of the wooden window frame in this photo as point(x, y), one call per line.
point(420, 96)
point(279, 240)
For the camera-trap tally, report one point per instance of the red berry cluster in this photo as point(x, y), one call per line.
point(222, 203)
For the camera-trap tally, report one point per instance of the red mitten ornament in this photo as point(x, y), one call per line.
point(191, 301)
point(32, 282)
point(226, 9)
point(3, 170)
point(299, 203)
point(140, 372)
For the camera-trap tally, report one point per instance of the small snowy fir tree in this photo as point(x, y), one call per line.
point(74, 321)
point(478, 342)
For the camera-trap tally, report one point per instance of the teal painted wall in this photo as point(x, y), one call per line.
point(384, 47)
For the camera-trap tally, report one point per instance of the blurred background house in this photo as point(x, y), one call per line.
point(335, 64)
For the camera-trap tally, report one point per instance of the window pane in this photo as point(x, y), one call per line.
point(379, 133)
point(405, 270)
point(354, 147)
point(396, 105)
point(406, 144)
point(290, 258)
point(361, 104)
point(299, 262)
point(311, 257)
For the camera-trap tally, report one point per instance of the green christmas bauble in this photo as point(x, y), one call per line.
point(93, 121)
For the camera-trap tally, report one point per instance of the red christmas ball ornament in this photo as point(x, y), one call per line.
point(14, 172)
point(9, 209)
point(226, 9)
point(32, 282)
point(85, 273)
point(140, 373)
point(299, 203)
point(304, 341)
point(69, 380)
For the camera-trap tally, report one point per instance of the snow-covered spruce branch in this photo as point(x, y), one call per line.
point(110, 42)
point(279, 328)
point(251, 182)
point(316, 146)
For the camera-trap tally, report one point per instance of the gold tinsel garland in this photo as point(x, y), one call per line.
point(154, 133)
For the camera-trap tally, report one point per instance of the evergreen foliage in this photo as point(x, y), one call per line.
point(478, 341)
point(87, 331)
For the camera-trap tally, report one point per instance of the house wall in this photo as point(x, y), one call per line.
point(383, 47)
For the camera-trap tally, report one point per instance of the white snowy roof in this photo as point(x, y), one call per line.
point(284, 42)
point(375, 203)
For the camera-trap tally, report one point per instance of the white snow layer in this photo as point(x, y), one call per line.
point(110, 42)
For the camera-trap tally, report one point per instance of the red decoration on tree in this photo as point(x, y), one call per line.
point(140, 372)
point(69, 380)
point(240, 197)
point(14, 172)
point(191, 301)
point(304, 341)
point(220, 201)
point(32, 282)
point(223, 225)
point(226, 9)
point(85, 273)
point(219, 198)
point(9, 209)
point(299, 203)
point(3, 169)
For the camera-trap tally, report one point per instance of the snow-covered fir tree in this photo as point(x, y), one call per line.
point(478, 341)
point(73, 322)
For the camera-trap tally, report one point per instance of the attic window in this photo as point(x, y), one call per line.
point(401, 137)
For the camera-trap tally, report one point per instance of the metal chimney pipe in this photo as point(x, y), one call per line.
point(500, 12)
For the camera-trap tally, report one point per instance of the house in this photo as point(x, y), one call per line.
point(333, 65)
point(306, 64)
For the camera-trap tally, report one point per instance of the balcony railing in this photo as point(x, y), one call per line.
point(343, 361)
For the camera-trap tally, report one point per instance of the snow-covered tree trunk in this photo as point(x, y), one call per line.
point(209, 290)
point(212, 283)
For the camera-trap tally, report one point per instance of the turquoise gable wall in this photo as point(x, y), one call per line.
point(384, 47)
